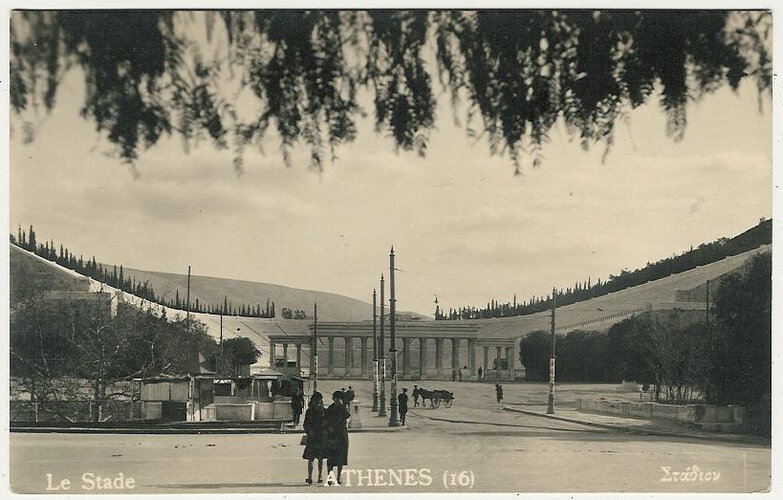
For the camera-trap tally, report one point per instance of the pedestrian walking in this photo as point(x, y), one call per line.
point(402, 405)
point(453, 375)
point(499, 392)
point(297, 405)
point(460, 374)
point(480, 372)
point(314, 429)
point(349, 397)
point(336, 436)
point(416, 394)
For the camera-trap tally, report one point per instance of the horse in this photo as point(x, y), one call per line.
point(427, 395)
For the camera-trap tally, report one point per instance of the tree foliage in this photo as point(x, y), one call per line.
point(237, 352)
point(742, 338)
point(58, 347)
point(230, 75)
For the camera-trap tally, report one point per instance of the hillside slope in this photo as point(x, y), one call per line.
point(210, 290)
point(676, 292)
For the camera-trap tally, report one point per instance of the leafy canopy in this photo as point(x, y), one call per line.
point(229, 75)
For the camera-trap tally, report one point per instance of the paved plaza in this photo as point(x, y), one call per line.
point(473, 446)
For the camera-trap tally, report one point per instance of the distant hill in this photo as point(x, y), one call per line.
point(210, 290)
point(705, 254)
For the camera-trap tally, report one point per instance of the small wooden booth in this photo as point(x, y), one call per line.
point(265, 396)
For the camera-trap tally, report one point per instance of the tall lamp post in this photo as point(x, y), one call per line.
point(375, 375)
point(550, 409)
point(314, 349)
point(382, 354)
point(394, 420)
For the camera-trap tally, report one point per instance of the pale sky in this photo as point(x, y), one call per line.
point(462, 225)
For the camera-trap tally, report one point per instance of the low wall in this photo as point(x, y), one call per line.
point(690, 413)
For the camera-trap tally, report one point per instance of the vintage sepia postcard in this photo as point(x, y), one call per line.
point(401, 251)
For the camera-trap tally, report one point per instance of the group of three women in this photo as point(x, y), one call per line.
point(327, 436)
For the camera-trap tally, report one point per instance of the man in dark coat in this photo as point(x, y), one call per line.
point(499, 392)
point(402, 401)
point(336, 435)
point(415, 395)
point(297, 405)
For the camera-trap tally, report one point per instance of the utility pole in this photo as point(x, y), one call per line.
point(314, 348)
point(382, 353)
point(222, 350)
point(375, 375)
point(708, 308)
point(394, 420)
point(187, 315)
point(550, 409)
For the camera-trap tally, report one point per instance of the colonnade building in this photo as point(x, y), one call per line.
point(425, 350)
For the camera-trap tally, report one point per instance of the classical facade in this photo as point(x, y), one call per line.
point(425, 350)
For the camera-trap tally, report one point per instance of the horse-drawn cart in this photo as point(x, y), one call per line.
point(436, 397)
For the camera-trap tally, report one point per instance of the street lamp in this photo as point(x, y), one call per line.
point(382, 354)
point(394, 421)
point(314, 348)
point(550, 409)
point(375, 375)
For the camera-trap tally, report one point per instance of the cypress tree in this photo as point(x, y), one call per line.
point(32, 244)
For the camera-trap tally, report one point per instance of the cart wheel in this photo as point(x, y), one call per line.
point(436, 403)
point(448, 403)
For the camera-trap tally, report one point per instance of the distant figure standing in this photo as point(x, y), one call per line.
point(453, 375)
point(480, 373)
point(349, 397)
point(499, 392)
point(459, 373)
point(415, 395)
point(297, 405)
point(336, 435)
point(402, 399)
point(314, 428)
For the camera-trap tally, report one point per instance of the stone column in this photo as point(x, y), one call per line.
point(364, 356)
point(406, 355)
point(472, 356)
point(455, 353)
point(271, 355)
point(422, 355)
point(348, 360)
point(285, 355)
point(438, 353)
point(330, 368)
point(498, 357)
point(299, 359)
point(486, 362)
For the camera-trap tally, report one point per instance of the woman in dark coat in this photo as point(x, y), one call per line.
point(314, 426)
point(336, 418)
